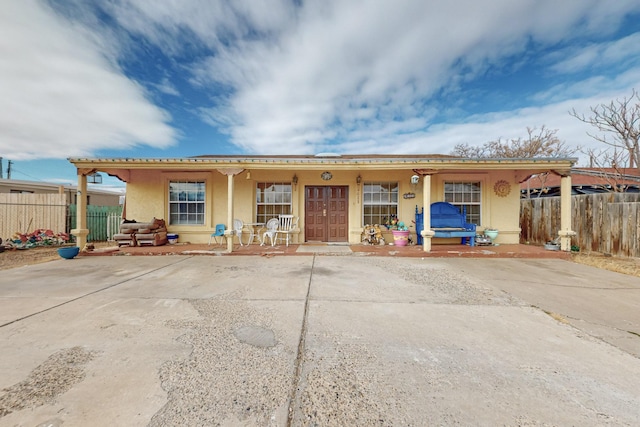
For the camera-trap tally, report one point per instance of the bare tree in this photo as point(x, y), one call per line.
point(610, 166)
point(469, 151)
point(541, 142)
point(619, 124)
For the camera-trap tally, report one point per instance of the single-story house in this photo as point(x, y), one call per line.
point(583, 181)
point(334, 196)
point(95, 196)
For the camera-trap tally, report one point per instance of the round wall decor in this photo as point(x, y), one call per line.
point(326, 176)
point(502, 188)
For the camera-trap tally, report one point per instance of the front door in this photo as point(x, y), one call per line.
point(326, 214)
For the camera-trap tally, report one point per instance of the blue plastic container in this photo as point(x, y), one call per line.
point(69, 252)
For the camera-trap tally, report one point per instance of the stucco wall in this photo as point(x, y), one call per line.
point(147, 197)
point(498, 211)
point(503, 211)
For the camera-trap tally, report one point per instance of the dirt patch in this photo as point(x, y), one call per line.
point(12, 258)
point(630, 266)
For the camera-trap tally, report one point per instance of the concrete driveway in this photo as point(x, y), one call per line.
point(317, 341)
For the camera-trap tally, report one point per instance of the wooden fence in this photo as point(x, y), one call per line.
point(607, 222)
point(24, 213)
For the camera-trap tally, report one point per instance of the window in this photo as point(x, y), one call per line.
point(380, 202)
point(186, 203)
point(465, 195)
point(272, 199)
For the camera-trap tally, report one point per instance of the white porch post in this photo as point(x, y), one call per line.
point(81, 231)
point(230, 173)
point(427, 233)
point(565, 233)
point(229, 231)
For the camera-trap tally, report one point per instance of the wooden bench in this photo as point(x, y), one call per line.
point(447, 221)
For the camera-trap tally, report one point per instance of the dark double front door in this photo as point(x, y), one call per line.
point(326, 214)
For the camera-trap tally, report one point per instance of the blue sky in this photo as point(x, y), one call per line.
point(159, 78)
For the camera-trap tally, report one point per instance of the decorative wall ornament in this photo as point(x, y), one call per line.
point(326, 176)
point(502, 188)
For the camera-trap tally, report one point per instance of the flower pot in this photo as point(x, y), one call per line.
point(552, 246)
point(400, 237)
point(69, 252)
point(492, 234)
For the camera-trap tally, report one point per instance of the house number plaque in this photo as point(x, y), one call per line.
point(326, 176)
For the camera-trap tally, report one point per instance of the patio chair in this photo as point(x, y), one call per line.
point(272, 231)
point(238, 225)
point(288, 225)
point(220, 229)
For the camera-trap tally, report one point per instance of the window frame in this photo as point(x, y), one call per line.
point(265, 210)
point(470, 201)
point(386, 208)
point(192, 200)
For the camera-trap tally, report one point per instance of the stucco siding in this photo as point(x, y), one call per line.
point(147, 197)
point(503, 211)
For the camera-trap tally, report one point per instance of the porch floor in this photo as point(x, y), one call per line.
point(437, 251)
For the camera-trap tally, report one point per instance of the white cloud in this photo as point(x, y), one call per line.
point(476, 130)
point(176, 26)
point(62, 95)
point(298, 77)
point(166, 87)
point(336, 60)
point(610, 54)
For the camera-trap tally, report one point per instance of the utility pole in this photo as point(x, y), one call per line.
point(9, 163)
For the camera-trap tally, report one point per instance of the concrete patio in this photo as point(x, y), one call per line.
point(317, 339)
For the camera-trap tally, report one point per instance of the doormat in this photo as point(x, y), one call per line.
point(324, 249)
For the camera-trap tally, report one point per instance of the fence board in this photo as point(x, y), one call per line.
point(97, 221)
point(113, 224)
point(24, 213)
point(607, 223)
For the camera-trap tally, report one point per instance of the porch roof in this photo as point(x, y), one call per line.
point(419, 163)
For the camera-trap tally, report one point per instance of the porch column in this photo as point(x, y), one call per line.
point(81, 231)
point(565, 233)
point(427, 233)
point(230, 173)
point(229, 231)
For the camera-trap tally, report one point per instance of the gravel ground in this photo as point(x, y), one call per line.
point(347, 382)
point(204, 388)
point(55, 376)
point(441, 285)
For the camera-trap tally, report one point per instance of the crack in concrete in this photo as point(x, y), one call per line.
point(293, 396)
point(113, 285)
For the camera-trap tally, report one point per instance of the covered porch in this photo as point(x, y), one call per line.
point(333, 196)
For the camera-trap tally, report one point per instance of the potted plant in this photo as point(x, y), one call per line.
point(400, 232)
